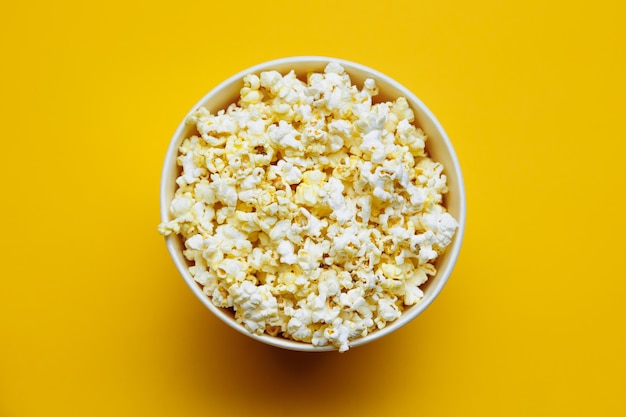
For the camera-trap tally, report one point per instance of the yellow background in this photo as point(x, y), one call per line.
point(96, 321)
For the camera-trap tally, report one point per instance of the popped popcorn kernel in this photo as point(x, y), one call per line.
point(308, 208)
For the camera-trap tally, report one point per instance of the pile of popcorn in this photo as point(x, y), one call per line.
point(311, 211)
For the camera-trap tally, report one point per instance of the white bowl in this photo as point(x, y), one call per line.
point(438, 147)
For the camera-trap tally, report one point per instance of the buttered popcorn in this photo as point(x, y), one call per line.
point(311, 211)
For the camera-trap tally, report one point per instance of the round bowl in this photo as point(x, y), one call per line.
point(438, 147)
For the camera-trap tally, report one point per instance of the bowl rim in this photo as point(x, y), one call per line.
point(452, 251)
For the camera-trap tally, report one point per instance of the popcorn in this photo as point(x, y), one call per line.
point(308, 209)
point(285, 250)
point(255, 306)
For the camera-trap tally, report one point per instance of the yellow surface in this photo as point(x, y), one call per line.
point(94, 318)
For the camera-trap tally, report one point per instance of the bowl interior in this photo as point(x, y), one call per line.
point(438, 147)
